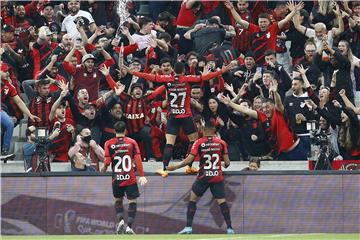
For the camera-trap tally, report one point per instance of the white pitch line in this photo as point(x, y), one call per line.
point(260, 236)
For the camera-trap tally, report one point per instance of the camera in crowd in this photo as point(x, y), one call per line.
point(81, 21)
point(322, 151)
point(41, 135)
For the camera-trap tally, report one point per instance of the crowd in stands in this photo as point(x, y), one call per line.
point(76, 68)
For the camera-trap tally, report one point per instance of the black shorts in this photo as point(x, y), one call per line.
point(132, 191)
point(217, 189)
point(173, 125)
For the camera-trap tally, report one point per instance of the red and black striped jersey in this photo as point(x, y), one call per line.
point(262, 41)
point(241, 41)
point(210, 152)
point(136, 109)
point(61, 144)
point(121, 153)
point(41, 107)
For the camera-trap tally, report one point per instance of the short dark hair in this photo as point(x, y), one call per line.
point(310, 41)
point(179, 68)
point(255, 160)
point(120, 127)
point(268, 100)
point(264, 15)
point(165, 16)
point(299, 79)
point(143, 21)
point(269, 52)
point(192, 53)
point(269, 72)
point(247, 101)
point(195, 86)
point(165, 60)
point(43, 82)
point(164, 35)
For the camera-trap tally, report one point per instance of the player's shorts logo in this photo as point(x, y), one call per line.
point(123, 177)
point(212, 173)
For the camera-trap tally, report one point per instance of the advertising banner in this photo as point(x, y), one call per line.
point(258, 204)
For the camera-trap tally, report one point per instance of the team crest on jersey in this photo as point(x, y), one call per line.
point(112, 146)
point(38, 99)
point(48, 100)
point(169, 84)
point(268, 35)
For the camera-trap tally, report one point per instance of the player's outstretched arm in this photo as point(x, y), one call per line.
point(183, 163)
point(146, 76)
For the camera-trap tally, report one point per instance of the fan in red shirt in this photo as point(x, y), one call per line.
point(61, 144)
point(42, 49)
point(123, 153)
point(241, 41)
point(87, 75)
point(264, 34)
point(284, 143)
point(180, 115)
point(187, 16)
point(8, 91)
point(211, 151)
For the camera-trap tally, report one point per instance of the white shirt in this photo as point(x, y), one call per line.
point(310, 33)
point(69, 26)
point(143, 40)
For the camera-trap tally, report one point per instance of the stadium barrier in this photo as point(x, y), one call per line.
point(259, 202)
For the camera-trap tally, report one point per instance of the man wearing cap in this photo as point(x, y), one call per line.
point(87, 75)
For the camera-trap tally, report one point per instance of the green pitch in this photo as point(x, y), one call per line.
point(312, 236)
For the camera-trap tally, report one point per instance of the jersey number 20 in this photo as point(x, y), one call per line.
point(123, 163)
